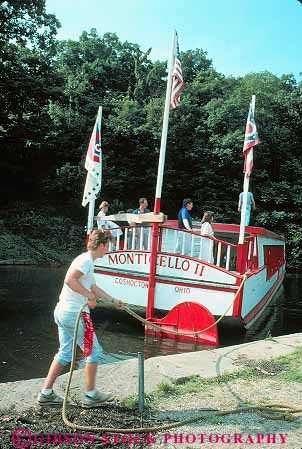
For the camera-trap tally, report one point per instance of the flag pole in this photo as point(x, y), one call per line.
point(163, 144)
point(90, 216)
point(159, 183)
point(246, 182)
point(91, 206)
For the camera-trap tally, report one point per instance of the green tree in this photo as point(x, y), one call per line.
point(27, 81)
point(26, 21)
point(50, 92)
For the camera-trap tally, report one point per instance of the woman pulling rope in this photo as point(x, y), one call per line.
point(79, 286)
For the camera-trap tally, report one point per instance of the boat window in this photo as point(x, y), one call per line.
point(273, 258)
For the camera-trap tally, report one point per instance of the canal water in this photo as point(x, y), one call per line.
point(28, 335)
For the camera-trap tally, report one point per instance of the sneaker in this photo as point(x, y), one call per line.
point(95, 401)
point(49, 399)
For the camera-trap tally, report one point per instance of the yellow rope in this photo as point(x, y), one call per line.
point(156, 327)
point(268, 411)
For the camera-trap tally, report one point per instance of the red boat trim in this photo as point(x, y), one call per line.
point(257, 250)
point(122, 275)
point(153, 260)
point(166, 281)
point(230, 273)
point(237, 304)
point(255, 271)
point(235, 228)
point(209, 237)
point(188, 284)
point(253, 230)
point(160, 240)
point(261, 303)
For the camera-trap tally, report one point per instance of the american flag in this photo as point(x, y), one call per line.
point(177, 81)
point(93, 163)
point(250, 140)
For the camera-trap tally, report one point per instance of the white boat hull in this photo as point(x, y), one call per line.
point(124, 273)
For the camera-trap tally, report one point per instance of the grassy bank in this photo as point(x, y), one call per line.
point(39, 235)
point(282, 370)
point(277, 380)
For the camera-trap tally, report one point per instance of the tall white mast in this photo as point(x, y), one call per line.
point(163, 144)
point(159, 183)
point(246, 183)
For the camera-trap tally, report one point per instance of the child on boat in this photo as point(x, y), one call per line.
point(207, 245)
point(106, 224)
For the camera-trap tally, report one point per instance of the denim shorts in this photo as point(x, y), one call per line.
point(66, 323)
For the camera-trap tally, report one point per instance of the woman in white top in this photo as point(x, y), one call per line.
point(106, 224)
point(207, 245)
point(79, 288)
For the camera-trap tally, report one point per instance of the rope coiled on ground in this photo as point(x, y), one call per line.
point(269, 411)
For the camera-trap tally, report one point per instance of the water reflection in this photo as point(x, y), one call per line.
point(164, 346)
point(28, 334)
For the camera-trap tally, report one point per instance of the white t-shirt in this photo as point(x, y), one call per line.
point(101, 222)
point(70, 300)
point(206, 229)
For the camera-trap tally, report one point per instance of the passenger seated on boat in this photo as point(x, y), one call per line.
point(250, 203)
point(142, 209)
point(183, 244)
point(105, 224)
point(207, 245)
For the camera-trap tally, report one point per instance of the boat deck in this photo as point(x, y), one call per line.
point(219, 251)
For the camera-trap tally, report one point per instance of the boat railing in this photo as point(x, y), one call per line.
point(203, 247)
point(176, 241)
point(136, 237)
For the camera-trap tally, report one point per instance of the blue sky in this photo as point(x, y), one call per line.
point(240, 36)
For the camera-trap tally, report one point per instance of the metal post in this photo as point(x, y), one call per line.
point(141, 382)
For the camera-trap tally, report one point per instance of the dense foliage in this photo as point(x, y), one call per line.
point(50, 91)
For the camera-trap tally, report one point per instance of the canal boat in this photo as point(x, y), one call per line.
point(239, 283)
point(198, 280)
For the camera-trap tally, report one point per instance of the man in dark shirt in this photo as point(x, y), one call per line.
point(143, 207)
point(183, 244)
point(184, 217)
